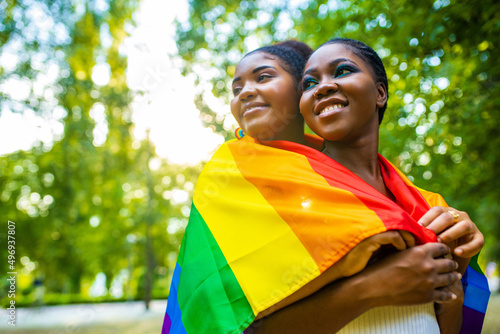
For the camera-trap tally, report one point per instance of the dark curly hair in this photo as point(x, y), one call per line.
point(370, 57)
point(292, 54)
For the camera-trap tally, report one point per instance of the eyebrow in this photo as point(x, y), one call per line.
point(255, 70)
point(333, 63)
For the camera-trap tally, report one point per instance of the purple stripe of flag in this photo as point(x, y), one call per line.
point(166, 324)
point(472, 321)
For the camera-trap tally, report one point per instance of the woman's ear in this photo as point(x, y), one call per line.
point(381, 95)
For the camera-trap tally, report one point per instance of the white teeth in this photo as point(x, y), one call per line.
point(332, 107)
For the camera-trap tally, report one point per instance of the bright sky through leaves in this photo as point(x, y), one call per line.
point(165, 106)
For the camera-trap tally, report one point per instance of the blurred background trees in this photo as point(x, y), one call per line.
point(92, 200)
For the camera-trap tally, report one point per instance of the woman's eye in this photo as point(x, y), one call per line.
point(236, 90)
point(343, 70)
point(309, 83)
point(263, 77)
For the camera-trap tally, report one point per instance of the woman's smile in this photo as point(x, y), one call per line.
point(330, 105)
point(252, 108)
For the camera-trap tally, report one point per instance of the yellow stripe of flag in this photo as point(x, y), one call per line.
point(249, 243)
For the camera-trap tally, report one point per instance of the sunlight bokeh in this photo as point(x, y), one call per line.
point(164, 98)
point(165, 104)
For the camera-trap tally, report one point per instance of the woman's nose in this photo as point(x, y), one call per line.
point(247, 92)
point(325, 88)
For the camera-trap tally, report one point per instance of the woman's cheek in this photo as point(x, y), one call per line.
point(234, 110)
point(304, 106)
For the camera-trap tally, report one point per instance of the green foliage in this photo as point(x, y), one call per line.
point(441, 59)
point(84, 205)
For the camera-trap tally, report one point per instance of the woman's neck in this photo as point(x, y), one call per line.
point(361, 158)
point(293, 132)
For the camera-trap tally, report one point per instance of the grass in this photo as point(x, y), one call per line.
point(492, 319)
point(144, 326)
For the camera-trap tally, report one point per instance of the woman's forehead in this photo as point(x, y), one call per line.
point(331, 53)
point(255, 60)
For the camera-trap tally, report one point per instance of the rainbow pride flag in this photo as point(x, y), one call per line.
point(266, 220)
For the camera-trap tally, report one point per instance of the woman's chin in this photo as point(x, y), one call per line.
point(329, 135)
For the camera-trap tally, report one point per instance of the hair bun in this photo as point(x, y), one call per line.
point(300, 47)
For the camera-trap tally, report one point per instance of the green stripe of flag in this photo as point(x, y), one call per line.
point(473, 263)
point(209, 295)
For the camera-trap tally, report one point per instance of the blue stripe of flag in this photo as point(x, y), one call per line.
point(173, 309)
point(476, 290)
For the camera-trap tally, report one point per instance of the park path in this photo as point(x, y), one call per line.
point(71, 317)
